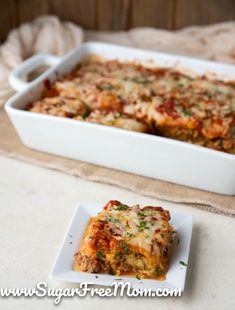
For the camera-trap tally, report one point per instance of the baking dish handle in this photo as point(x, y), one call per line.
point(16, 78)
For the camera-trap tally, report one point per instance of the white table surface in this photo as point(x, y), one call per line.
point(35, 208)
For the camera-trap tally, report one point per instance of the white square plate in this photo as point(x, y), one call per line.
point(175, 277)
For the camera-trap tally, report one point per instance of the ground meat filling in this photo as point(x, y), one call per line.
point(92, 265)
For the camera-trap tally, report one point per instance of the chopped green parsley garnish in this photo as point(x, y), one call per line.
point(112, 219)
point(105, 87)
point(141, 214)
point(142, 225)
point(124, 246)
point(179, 85)
point(129, 234)
point(141, 80)
point(183, 263)
point(100, 255)
point(157, 270)
point(118, 255)
point(121, 207)
point(186, 112)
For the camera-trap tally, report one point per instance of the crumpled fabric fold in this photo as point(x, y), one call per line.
point(47, 34)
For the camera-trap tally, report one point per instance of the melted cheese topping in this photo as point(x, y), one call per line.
point(159, 101)
point(143, 229)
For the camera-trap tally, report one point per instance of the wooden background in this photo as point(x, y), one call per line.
point(118, 14)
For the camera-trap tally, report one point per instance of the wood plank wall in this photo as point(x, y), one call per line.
point(118, 14)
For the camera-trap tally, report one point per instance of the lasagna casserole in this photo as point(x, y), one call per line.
point(159, 101)
point(123, 240)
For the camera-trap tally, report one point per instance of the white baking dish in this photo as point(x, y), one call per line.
point(139, 153)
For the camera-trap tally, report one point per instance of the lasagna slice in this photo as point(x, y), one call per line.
point(123, 240)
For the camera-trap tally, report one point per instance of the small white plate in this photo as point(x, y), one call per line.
point(175, 277)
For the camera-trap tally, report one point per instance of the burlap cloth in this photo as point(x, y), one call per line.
point(48, 34)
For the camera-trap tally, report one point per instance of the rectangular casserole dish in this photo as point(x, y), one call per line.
point(134, 152)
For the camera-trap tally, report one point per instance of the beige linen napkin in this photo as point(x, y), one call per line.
point(48, 34)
